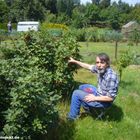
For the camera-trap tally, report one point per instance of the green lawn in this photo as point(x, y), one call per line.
point(122, 121)
point(89, 52)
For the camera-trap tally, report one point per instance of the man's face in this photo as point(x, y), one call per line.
point(101, 65)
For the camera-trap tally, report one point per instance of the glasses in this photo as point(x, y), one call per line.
point(101, 62)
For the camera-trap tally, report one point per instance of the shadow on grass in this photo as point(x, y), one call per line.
point(114, 113)
point(65, 130)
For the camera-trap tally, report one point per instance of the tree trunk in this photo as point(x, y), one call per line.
point(116, 49)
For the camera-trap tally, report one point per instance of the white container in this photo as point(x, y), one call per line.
point(28, 25)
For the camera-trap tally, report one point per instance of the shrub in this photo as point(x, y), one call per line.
point(125, 60)
point(135, 36)
point(92, 35)
point(38, 74)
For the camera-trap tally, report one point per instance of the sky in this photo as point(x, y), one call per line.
point(130, 2)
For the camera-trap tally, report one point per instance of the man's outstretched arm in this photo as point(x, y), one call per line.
point(81, 64)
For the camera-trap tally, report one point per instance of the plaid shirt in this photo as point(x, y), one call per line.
point(107, 82)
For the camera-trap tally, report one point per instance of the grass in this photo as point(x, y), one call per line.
point(122, 121)
point(89, 52)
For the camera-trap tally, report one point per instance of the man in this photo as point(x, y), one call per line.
point(9, 26)
point(106, 91)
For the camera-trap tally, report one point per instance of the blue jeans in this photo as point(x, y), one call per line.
point(77, 101)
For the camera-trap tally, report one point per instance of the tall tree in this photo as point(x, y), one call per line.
point(96, 2)
point(92, 13)
point(113, 17)
point(3, 11)
point(105, 3)
point(134, 14)
point(79, 19)
point(35, 10)
point(124, 7)
point(49, 5)
point(76, 2)
point(65, 6)
point(27, 10)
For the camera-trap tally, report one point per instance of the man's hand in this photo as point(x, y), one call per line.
point(71, 60)
point(81, 64)
point(90, 98)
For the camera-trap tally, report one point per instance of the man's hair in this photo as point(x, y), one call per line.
point(104, 57)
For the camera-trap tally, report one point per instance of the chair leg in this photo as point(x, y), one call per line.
point(100, 112)
point(100, 115)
